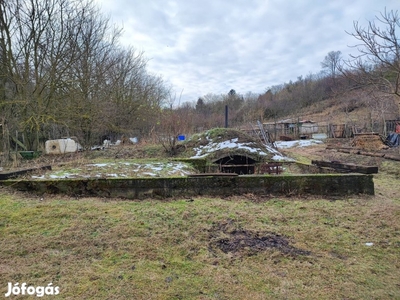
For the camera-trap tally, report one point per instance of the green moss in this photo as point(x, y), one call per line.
point(224, 134)
point(199, 163)
point(218, 135)
point(139, 188)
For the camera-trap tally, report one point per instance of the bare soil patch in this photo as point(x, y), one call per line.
point(241, 242)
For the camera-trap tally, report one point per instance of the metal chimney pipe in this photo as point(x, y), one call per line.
point(226, 116)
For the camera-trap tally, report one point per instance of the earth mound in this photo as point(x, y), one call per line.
point(220, 142)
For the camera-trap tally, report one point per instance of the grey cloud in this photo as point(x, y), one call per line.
point(212, 46)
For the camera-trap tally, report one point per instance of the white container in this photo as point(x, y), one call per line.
point(319, 136)
point(62, 146)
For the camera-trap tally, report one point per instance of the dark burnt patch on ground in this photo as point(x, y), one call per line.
point(229, 238)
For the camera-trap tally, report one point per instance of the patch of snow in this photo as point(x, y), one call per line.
point(281, 158)
point(113, 175)
point(149, 173)
point(123, 169)
point(57, 176)
point(203, 151)
point(100, 165)
point(297, 143)
point(154, 167)
point(179, 168)
point(273, 150)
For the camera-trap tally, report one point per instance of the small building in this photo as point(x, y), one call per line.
point(295, 129)
point(291, 128)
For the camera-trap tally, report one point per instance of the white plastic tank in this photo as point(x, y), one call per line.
point(62, 146)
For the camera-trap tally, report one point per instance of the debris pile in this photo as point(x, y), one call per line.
point(368, 141)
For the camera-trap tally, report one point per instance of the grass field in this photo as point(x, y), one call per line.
point(206, 248)
point(236, 248)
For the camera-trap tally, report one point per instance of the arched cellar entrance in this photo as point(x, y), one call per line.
point(239, 164)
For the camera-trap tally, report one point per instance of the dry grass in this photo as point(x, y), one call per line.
point(110, 249)
point(93, 248)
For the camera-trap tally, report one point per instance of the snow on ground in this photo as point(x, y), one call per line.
point(122, 169)
point(153, 169)
point(203, 151)
point(297, 143)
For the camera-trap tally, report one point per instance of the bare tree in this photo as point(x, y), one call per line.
point(28, 57)
point(64, 73)
point(331, 64)
point(39, 41)
point(378, 63)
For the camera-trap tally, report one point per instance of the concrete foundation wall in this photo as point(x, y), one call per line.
point(318, 184)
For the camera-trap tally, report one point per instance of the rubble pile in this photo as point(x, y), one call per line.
point(368, 142)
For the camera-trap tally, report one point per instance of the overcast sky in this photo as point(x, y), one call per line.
point(213, 46)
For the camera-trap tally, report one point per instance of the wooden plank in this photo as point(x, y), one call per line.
point(346, 167)
point(13, 174)
point(392, 157)
point(373, 154)
point(366, 133)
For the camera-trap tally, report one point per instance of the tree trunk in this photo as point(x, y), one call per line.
point(5, 143)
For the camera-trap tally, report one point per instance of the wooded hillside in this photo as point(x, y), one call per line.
point(63, 73)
